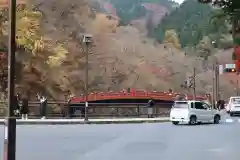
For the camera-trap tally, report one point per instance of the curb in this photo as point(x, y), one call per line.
point(92, 121)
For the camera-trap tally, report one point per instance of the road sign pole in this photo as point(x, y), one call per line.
point(237, 88)
point(10, 122)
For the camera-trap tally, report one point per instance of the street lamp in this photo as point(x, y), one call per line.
point(86, 40)
point(10, 121)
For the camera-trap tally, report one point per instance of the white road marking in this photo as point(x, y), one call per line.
point(216, 149)
point(229, 120)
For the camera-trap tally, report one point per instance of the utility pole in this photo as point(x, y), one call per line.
point(190, 83)
point(213, 85)
point(217, 81)
point(194, 83)
point(10, 121)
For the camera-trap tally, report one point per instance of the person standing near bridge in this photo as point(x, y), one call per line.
point(220, 104)
point(17, 110)
point(43, 105)
point(150, 106)
point(24, 108)
point(180, 97)
point(70, 109)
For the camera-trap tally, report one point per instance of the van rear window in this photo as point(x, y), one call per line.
point(236, 100)
point(180, 105)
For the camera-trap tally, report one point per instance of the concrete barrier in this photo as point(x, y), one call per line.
point(90, 121)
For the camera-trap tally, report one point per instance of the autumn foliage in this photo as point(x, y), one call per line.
point(51, 57)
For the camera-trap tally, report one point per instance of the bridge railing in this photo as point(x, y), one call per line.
point(135, 94)
point(129, 110)
point(95, 110)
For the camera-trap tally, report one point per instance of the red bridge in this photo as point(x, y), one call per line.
point(131, 96)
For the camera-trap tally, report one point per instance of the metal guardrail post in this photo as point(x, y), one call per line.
point(118, 112)
point(157, 111)
point(138, 111)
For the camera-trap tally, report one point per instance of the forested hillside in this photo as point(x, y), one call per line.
point(51, 58)
point(129, 10)
point(191, 21)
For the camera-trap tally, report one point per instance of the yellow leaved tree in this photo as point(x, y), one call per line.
point(172, 37)
point(57, 59)
point(28, 22)
point(35, 56)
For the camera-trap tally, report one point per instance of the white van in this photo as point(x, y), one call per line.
point(193, 112)
point(233, 106)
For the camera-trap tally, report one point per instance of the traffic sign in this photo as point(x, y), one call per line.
point(231, 70)
point(220, 69)
point(230, 66)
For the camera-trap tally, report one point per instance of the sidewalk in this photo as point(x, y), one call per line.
point(90, 121)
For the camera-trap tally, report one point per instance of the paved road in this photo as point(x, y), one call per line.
point(128, 142)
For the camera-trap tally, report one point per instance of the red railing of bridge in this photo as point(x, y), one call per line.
point(164, 96)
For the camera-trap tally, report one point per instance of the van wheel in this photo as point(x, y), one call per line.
point(175, 122)
point(216, 119)
point(193, 120)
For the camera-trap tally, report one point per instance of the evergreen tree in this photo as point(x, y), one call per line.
point(191, 21)
point(230, 11)
point(129, 10)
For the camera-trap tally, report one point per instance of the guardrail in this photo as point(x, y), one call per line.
point(95, 110)
point(89, 121)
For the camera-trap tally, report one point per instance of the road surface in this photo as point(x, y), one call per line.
point(128, 142)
